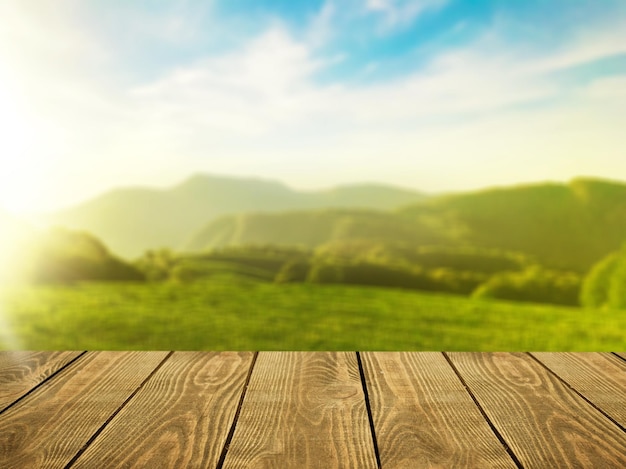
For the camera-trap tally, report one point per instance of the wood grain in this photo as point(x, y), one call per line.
point(179, 419)
point(600, 377)
point(622, 354)
point(303, 410)
point(22, 371)
point(48, 427)
point(543, 421)
point(424, 416)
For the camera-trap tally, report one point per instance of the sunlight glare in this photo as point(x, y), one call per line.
point(16, 146)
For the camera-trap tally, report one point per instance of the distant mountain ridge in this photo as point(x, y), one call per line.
point(564, 226)
point(131, 220)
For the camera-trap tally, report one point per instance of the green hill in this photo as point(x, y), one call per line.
point(561, 226)
point(566, 226)
point(311, 228)
point(135, 219)
point(63, 256)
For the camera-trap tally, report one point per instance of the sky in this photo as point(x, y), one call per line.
point(434, 95)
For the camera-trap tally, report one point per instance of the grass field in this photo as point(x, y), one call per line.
point(236, 314)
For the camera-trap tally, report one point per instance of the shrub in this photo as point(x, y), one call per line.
point(323, 272)
point(535, 284)
point(295, 270)
point(605, 284)
point(157, 264)
point(595, 288)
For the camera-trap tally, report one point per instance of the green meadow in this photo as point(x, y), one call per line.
point(234, 313)
point(535, 267)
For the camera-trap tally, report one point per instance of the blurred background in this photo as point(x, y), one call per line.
point(357, 174)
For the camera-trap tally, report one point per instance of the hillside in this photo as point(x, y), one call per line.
point(562, 226)
point(132, 220)
point(567, 226)
point(240, 314)
point(311, 228)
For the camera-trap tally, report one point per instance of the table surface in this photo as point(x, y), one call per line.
point(312, 410)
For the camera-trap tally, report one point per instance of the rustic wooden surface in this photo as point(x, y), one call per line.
point(598, 377)
point(312, 410)
point(20, 372)
point(424, 417)
point(303, 409)
point(544, 422)
point(180, 418)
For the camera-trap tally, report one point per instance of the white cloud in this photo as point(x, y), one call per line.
point(249, 92)
point(400, 13)
point(322, 29)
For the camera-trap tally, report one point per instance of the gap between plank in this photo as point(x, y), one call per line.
point(619, 356)
point(112, 416)
point(231, 432)
point(45, 381)
point(482, 411)
point(369, 409)
point(577, 393)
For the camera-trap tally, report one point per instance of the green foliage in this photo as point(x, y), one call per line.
point(267, 257)
point(605, 284)
point(456, 258)
point(190, 269)
point(457, 282)
point(295, 270)
point(157, 264)
point(367, 273)
point(535, 284)
point(617, 287)
point(470, 259)
point(323, 272)
point(364, 262)
point(597, 283)
point(396, 276)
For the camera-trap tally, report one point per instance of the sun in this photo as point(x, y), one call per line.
point(17, 144)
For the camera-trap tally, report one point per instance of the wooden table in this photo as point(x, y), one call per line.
point(312, 410)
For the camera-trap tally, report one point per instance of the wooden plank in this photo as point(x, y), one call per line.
point(600, 377)
point(22, 371)
point(180, 418)
point(424, 416)
point(303, 410)
point(544, 422)
point(48, 427)
point(622, 354)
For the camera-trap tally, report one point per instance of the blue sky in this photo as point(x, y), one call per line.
point(436, 95)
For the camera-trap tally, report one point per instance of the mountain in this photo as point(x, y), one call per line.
point(131, 220)
point(562, 226)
